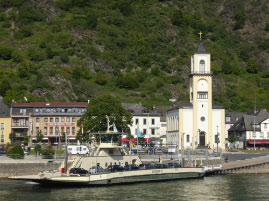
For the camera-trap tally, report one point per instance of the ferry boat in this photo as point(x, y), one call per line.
point(124, 177)
point(107, 152)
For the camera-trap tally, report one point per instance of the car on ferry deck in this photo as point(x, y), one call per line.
point(131, 167)
point(78, 171)
point(115, 168)
point(146, 166)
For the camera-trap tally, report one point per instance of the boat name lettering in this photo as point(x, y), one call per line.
point(156, 171)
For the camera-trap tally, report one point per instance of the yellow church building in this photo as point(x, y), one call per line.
point(197, 123)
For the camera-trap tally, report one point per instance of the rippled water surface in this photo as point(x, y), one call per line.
point(227, 187)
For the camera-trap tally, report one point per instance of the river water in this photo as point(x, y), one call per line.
point(224, 187)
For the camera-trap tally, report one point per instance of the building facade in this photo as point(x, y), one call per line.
point(230, 119)
point(51, 119)
point(5, 123)
point(146, 121)
point(197, 123)
point(252, 129)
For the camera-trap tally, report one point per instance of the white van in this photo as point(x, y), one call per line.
point(78, 149)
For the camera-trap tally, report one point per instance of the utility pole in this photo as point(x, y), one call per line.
point(254, 133)
point(66, 154)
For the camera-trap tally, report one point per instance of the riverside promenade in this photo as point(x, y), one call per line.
point(31, 164)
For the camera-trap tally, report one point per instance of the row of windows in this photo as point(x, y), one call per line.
point(56, 119)
point(145, 131)
point(202, 95)
point(60, 110)
point(145, 121)
point(56, 130)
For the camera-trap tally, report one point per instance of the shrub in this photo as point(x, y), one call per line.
point(48, 152)
point(16, 152)
point(38, 148)
point(100, 79)
point(5, 52)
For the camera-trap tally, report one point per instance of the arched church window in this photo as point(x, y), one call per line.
point(202, 66)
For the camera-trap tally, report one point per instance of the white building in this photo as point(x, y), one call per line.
point(197, 123)
point(147, 121)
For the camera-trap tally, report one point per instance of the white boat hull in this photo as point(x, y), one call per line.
point(124, 177)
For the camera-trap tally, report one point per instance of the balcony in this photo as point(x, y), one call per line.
point(25, 114)
point(19, 125)
point(201, 73)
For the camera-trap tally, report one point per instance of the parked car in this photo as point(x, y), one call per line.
point(145, 166)
point(173, 165)
point(115, 168)
point(97, 169)
point(131, 167)
point(78, 171)
point(160, 166)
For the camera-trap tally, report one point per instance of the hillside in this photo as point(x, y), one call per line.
point(139, 51)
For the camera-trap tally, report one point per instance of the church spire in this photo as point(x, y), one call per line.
point(201, 49)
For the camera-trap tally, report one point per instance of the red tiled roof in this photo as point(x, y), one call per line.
point(50, 104)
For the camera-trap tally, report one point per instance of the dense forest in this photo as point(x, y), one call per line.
point(137, 50)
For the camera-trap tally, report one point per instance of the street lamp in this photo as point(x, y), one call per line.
point(217, 139)
point(197, 135)
point(182, 149)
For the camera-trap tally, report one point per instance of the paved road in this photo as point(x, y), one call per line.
point(234, 156)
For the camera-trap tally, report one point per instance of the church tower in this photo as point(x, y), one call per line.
point(201, 97)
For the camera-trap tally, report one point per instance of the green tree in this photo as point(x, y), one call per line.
point(5, 52)
point(252, 66)
point(4, 86)
point(12, 137)
point(232, 138)
point(26, 140)
point(39, 136)
point(100, 79)
point(95, 118)
point(240, 18)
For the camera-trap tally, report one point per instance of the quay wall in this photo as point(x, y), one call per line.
point(257, 169)
point(28, 168)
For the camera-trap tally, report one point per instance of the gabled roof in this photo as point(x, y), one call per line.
point(4, 109)
point(201, 49)
point(50, 104)
point(179, 105)
point(234, 116)
point(247, 121)
point(138, 110)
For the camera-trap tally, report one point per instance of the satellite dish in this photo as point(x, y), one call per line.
point(25, 99)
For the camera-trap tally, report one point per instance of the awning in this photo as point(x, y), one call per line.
point(125, 140)
point(258, 141)
point(133, 139)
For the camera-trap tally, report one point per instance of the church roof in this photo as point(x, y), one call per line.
point(181, 105)
point(201, 49)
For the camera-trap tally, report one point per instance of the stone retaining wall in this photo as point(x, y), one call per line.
point(15, 169)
